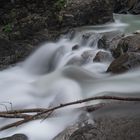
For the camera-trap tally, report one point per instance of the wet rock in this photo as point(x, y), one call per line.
point(16, 137)
point(75, 47)
point(109, 40)
point(90, 39)
point(124, 63)
point(76, 60)
point(88, 132)
point(71, 33)
point(137, 32)
point(102, 56)
point(79, 60)
point(127, 44)
point(113, 122)
point(88, 54)
point(85, 38)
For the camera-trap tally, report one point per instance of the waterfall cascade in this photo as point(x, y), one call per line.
point(57, 73)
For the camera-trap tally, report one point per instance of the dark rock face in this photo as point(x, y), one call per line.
point(31, 22)
point(127, 44)
point(81, 12)
point(10, 52)
point(16, 137)
point(125, 62)
point(127, 6)
point(22, 19)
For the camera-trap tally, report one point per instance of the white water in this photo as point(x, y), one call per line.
point(54, 74)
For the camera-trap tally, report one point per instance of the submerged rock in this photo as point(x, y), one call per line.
point(75, 47)
point(125, 62)
point(89, 54)
point(16, 137)
point(90, 39)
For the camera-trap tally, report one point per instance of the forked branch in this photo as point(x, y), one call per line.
point(39, 112)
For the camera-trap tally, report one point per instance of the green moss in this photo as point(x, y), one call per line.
point(59, 4)
point(7, 28)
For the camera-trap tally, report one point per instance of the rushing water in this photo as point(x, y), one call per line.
point(56, 74)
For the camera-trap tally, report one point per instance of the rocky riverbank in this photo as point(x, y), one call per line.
point(26, 24)
point(127, 6)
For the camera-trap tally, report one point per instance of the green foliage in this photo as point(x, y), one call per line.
point(7, 28)
point(59, 4)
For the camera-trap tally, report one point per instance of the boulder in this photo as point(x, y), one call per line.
point(125, 62)
point(103, 56)
point(113, 122)
point(127, 44)
point(109, 40)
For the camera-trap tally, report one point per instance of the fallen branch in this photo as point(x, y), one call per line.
point(4, 115)
point(33, 110)
point(40, 112)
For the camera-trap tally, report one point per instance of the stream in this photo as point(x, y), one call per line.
point(56, 73)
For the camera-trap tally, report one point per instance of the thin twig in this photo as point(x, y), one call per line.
point(4, 106)
point(33, 110)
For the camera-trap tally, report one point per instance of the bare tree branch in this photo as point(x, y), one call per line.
point(41, 111)
point(4, 115)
